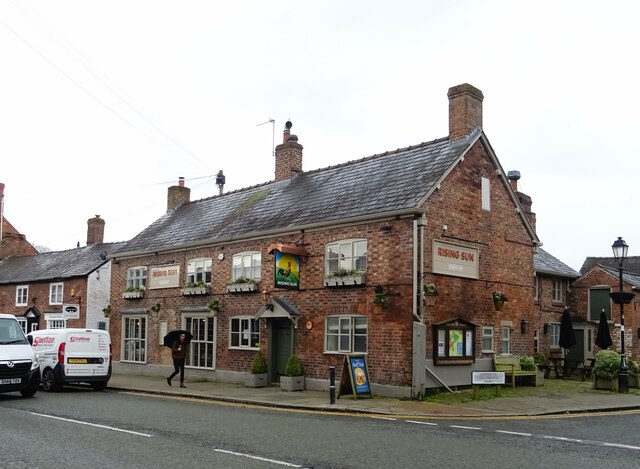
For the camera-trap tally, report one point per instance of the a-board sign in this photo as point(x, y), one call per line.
point(355, 376)
point(487, 377)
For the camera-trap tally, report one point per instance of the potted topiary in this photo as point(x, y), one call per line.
point(257, 378)
point(293, 379)
point(634, 373)
point(605, 371)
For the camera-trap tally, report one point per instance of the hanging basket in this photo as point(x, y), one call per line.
point(498, 304)
point(430, 300)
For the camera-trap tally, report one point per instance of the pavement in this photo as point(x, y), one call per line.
point(272, 396)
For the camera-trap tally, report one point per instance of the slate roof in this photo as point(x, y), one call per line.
point(545, 263)
point(54, 265)
point(627, 277)
point(630, 264)
point(379, 185)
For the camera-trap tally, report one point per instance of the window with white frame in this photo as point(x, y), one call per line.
point(137, 278)
point(56, 323)
point(246, 265)
point(202, 348)
point(487, 340)
point(134, 339)
point(554, 335)
point(199, 271)
point(244, 332)
point(55, 293)
point(22, 295)
point(345, 334)
point(346, 256)
point(506, 340)
point(558, 287)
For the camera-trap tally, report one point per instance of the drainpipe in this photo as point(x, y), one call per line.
point(418, 260)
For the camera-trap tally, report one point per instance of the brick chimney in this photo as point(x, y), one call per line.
point(465, 111)
point(524, 199)
point(95, 230)
point(288, 155)
point(178, 195)
point(1, 211)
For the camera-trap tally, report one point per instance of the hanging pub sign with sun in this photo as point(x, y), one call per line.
point(287, 271)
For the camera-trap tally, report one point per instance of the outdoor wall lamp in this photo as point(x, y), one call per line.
point(545, 328)
point(620, 250)
point(524, 325)
point(265, 296)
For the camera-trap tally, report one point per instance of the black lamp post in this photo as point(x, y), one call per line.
point(620, 249)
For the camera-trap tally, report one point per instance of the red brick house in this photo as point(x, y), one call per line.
point(12, 243)
point(60, 288)
point(316, 251)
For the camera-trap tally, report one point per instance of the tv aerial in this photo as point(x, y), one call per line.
point(273, 135)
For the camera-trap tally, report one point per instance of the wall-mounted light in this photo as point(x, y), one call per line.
point(265, 296)
point(545, 328)
point(524, 324)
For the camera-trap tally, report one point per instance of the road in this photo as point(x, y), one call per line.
point(79, 428)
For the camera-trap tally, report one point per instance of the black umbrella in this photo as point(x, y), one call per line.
point(174, 336)
point(603, 339)
point(567, 337)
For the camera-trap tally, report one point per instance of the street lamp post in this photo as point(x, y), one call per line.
point(620, 249)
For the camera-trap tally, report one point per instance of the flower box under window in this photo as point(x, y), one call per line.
point(133, 294)
point(344, 281)
point(189, 291)
point(242, 287)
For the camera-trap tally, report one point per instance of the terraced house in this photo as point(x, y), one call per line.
point(337, 261)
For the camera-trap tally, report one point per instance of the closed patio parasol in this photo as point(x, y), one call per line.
point(603, 338)
point(567, 337)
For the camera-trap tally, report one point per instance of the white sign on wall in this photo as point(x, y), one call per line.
point(71, 311)
point(452, 259)
point(166, 276)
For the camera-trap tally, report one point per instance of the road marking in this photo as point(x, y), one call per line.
point(423, 423)
point(465, 428)
point(377, 417)
point(274, 461)
point(92, 424)
point(513, 433)
point(617, 445)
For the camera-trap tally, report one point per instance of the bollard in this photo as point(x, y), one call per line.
point(332, 384)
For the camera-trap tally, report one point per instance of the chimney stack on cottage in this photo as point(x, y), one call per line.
point(178, 195)
point(524, 199)
point(1, 211)
point(95, 230)
point(465, 111)
point(288, 155)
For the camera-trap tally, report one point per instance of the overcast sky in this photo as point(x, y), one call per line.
point(104, 105)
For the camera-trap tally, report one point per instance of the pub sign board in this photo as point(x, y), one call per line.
point(287, 271)
point(355, 376)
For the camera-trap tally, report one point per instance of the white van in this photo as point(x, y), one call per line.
point(19, 368)
point(72, 356)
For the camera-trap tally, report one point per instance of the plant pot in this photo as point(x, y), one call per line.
point(133, 295)
point(606, 384)
point(292, 383)
point(430, 300)
point(540, 378)
point(189, 291)
point(258, 380)
point(498, 304)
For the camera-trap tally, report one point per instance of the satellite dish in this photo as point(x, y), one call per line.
point(103, 256)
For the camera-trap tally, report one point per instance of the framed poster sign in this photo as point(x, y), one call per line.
point(355, 376)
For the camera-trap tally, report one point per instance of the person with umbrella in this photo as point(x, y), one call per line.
point(178, 341)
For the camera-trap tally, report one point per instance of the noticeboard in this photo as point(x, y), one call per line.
point(355, 376)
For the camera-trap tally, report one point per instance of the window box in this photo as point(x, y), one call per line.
point(242, 287)
point(189, 291)
point(130, 295)
point(344, 281)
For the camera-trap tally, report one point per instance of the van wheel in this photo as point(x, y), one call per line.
point(99, 385)
point(49, 382)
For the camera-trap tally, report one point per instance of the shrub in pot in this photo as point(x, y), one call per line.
point(258, 376)
point(293, 379)
point(605, 371)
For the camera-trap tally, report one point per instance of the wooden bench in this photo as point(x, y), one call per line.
point(510, 365)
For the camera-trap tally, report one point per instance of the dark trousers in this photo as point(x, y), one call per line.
point(178, 365)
